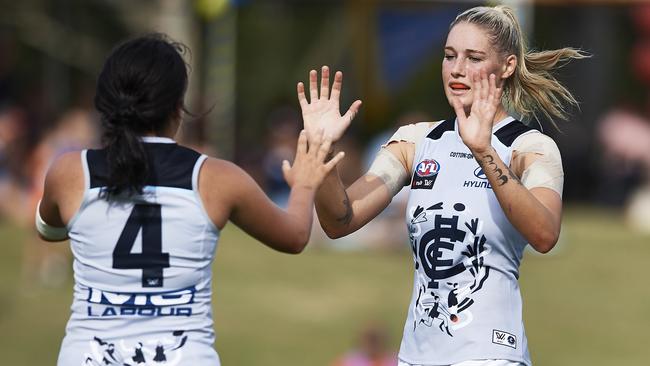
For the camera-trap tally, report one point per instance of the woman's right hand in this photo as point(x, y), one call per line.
point(322, 112)
point(309, 167)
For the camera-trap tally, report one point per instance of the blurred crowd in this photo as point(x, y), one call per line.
point(624, 134)
point(27, 148)
point(35, 127)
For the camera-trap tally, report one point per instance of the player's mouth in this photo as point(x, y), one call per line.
point(458, 88)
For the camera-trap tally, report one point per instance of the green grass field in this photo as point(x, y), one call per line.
point(585, 304)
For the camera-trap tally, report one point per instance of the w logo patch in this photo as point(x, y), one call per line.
point(504, 338)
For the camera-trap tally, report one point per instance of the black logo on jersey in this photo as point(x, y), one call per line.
point(504, 338)
point(166, 351)
point(442, 275)
point(111, 304)
point(433, 245)
point(425, 174)
point(461, 155)
point(482, 183)
point(479, 173)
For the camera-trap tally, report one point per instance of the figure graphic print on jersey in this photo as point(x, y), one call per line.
point(445, 290)
point(166, 351)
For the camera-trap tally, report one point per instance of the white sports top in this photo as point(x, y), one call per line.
point(465, 303)
point(142, 267)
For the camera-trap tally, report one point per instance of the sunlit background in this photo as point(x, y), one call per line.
point(585, 303)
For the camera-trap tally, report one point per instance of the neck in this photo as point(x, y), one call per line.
point(168, 132)
point(499, 115)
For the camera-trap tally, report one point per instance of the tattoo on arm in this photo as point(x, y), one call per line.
point(514, 177)
point(347, 216)
point(488, 163)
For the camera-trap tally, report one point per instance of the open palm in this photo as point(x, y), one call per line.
point(322, 112)
point(476, 129)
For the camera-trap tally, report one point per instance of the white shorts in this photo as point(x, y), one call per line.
point(473, 363)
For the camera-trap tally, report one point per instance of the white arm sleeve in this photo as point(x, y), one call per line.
point(546, 171)
point(49, 232)
point(387, 167)
point(390, 170)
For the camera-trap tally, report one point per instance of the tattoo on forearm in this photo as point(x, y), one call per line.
point(514, 177)
point(488, 163)
point(347, 217)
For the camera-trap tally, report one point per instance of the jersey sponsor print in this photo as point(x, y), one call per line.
point(481, 182)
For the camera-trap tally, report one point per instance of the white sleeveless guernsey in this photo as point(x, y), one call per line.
point(466, 303)
point(142, 267)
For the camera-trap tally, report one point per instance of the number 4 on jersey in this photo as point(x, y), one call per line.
point(152, 260)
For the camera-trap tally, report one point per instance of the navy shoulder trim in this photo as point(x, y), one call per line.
point(508, 133)
point(447, 125)
point(170, 165)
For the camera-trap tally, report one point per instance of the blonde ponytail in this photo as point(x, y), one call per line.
point(532, 88)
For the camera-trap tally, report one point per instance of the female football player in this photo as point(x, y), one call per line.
point(483, 185)
point(143, 215)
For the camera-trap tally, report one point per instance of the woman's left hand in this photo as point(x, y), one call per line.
point(476, 129)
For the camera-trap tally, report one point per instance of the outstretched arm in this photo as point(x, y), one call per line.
point(229, 193)
point(535, 213)
point(342, 210)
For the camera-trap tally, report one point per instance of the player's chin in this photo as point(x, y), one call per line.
point(465, 100)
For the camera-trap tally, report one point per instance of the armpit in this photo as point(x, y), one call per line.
point(543, 162)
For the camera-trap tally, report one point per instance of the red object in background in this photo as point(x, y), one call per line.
point(641, 60)
point(641, 18)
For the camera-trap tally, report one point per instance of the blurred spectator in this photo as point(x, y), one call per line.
point(44, 263)
point(624, 134)
point(371, 350)
point(14, 148)
point(625, 137)
point(283, 126)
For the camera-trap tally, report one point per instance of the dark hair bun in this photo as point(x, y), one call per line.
point(139, 91)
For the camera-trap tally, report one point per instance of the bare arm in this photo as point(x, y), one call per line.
point(342, 211)
point(535, 213)
point(62, 192)
point(229, 193)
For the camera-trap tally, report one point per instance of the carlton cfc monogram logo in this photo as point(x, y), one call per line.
point(427, 168)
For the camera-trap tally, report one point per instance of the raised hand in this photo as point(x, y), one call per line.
point(322, 112)
point(309, 167)
point(476, 129)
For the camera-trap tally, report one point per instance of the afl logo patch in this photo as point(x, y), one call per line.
point(427, 168)
point(479, 173)
point(425, 174)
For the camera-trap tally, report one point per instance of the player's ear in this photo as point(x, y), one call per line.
point(509, 66)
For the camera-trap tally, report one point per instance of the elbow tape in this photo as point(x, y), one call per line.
point(48, 231)
point(546, 171)
point(389, 169)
